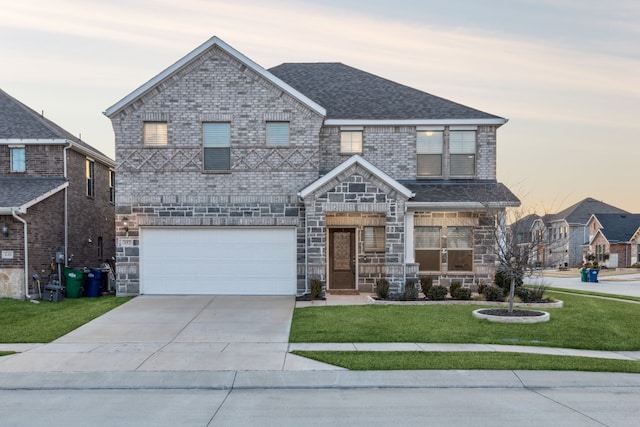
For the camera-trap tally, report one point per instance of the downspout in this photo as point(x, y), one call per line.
point(26, 255)
point(66, 204)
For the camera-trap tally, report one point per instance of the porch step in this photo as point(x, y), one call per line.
point(343, 292)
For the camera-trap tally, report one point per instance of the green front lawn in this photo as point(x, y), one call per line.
point(26, 322)
point(371, 360)
point(583, 323)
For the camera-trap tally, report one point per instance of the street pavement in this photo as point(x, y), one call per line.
point(224, 361)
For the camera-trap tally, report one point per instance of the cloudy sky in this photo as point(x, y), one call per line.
point(566, 73)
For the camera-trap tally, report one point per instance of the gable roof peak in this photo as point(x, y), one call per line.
point(197, 52)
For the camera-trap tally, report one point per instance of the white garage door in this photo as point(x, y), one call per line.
point(222, 261)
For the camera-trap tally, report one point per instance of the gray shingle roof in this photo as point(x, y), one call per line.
point(15, 192)
point(483, 192)
point(619, 227)
point(17, 121)
point(349, 93)
point(580, 212)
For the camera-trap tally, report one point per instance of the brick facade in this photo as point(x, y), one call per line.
point(166, 186)
point(90, 220)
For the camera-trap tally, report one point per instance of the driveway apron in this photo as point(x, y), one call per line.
point(174, 333)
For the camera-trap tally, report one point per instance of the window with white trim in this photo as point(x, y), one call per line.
point(18, 159)
point(462, 152)
point(460, 248)
point(429, 145)
point(351, 141)
point(216, 142)
point(155, 133)
point(91, 178)
point(278, 134)
point(427, 247)
point(374, 239)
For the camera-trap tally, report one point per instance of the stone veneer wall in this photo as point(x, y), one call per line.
point(358, 193)
point(484, 245)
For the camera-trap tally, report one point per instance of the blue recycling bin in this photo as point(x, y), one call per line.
point(93, 283)
point(593, 275)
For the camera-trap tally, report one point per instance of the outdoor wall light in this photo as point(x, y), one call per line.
point(5, 229)
point(125, 223)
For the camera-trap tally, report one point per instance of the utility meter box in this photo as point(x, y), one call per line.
point(60, 255)
point(53, 293)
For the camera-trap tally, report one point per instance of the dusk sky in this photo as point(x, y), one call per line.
point(566, 73)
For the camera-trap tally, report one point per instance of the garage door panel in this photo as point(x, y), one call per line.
point(218, 261)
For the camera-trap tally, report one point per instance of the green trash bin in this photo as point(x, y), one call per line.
point(584, 277)
point(73, 280)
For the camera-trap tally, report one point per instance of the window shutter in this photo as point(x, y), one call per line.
point(278, 134)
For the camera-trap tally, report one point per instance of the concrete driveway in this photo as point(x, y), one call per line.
point(175, 333)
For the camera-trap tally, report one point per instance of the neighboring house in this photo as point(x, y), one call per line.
point(563, 235)
point(56, 195)
point(233, 179)
point(613, 239)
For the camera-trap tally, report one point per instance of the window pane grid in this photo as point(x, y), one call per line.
point(351, 141)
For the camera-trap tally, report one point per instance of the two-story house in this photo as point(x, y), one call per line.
point(561, 236)
point(234, 179)
point(57, 194)
point(613, 239)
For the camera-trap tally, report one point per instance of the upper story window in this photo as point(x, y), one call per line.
point(350, 141)
point(155, 133)
point(112, 186)
point(18, 159)
point(462, 149)
point(91, 178)
point(216, 142)
point(278, 134)
point(429, 146)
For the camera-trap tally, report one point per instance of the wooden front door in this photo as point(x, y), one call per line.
point(342, 258)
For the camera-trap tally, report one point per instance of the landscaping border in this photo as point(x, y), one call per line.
point(556, 304)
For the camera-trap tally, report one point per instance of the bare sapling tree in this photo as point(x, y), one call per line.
point(516, 247)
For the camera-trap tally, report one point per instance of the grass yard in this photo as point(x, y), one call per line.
point(583, 323)
point(26, 322)
point(371, 360)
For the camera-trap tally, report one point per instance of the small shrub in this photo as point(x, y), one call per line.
point(454, 286)
point(462, 293)
point(426, 282)
point(523, 293)
point(493, 293)
point(438, 293)
point(382, 288)
point(410, 291)
point(481, 287)
point(316, 288)
point(503, 281)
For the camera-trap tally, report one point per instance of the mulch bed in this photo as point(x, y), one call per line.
point(514, 313)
